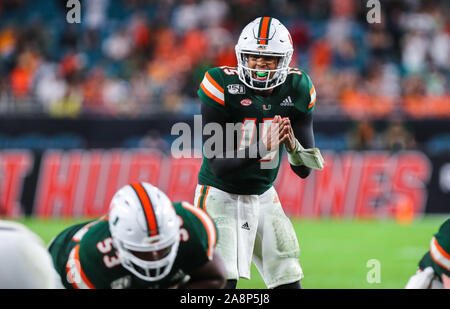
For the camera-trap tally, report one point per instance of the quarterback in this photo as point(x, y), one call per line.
point(274, 105)
point(145, 241)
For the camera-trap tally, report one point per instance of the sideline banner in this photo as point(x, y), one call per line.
point(80, 183)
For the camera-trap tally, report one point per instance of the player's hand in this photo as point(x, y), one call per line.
point(289, 142)
point(276, 134)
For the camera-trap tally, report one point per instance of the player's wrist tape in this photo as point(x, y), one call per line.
point(310, 157)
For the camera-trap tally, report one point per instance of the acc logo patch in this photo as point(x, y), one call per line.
point(246, 102)
point(236, 89)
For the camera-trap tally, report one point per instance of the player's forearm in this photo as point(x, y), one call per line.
point(303, 130)
point(302, 171)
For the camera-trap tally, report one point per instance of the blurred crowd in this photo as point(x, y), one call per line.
point(129, 58)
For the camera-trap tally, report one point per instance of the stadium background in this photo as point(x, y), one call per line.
point(87, 107)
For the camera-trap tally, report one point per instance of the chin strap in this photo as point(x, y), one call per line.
point(310, 157)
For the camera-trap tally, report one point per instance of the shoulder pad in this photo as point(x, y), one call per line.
point(76, 275)
point(211, 88)
point(86, 264)
point(303, 85)
point(203, 225)
point(440, 245)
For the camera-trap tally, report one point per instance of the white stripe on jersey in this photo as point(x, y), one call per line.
point(313, 95)
point(438, 256)
point(73, 269)
point(211, 88)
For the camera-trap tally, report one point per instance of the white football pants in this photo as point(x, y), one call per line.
point(253, 228)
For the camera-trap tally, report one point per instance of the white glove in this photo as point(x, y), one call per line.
point(421, 280)
point(310, 157)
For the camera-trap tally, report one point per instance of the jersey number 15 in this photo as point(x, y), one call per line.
point(248, 134)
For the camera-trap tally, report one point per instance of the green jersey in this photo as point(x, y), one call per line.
point(439, 255)
point(84, 256)
point(222, 89)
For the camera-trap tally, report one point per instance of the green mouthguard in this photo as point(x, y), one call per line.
point(261, 74)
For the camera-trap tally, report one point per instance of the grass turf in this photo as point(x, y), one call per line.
point(334, 253)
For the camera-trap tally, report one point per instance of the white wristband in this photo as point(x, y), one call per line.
point(310, 157)
point(294, 155)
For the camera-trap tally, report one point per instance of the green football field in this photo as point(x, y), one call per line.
point(337, 253)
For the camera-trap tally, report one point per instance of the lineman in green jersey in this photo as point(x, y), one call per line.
point(434, 267)
point(145, 241)
point(274, 105)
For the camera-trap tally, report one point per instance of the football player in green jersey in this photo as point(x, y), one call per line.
point(145, 241)
point(274, 105)
point(434, 267)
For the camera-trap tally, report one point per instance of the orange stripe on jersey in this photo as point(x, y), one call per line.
point(81, 282)
point(203, 198)
point(207, 223)
point(147, 207)
point(83, 275)
point(439, 262)
point(212, 96)
point(70, 278)
point(212, 81)
point(200, 197)
point(313, 90)
point(440, 249)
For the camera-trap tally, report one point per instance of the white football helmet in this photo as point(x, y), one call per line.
point(142, 220)
point(264, 36)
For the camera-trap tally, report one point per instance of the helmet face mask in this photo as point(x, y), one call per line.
point(149, 270)
point(145, 230)
point(264, 36)
point(274, 78)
